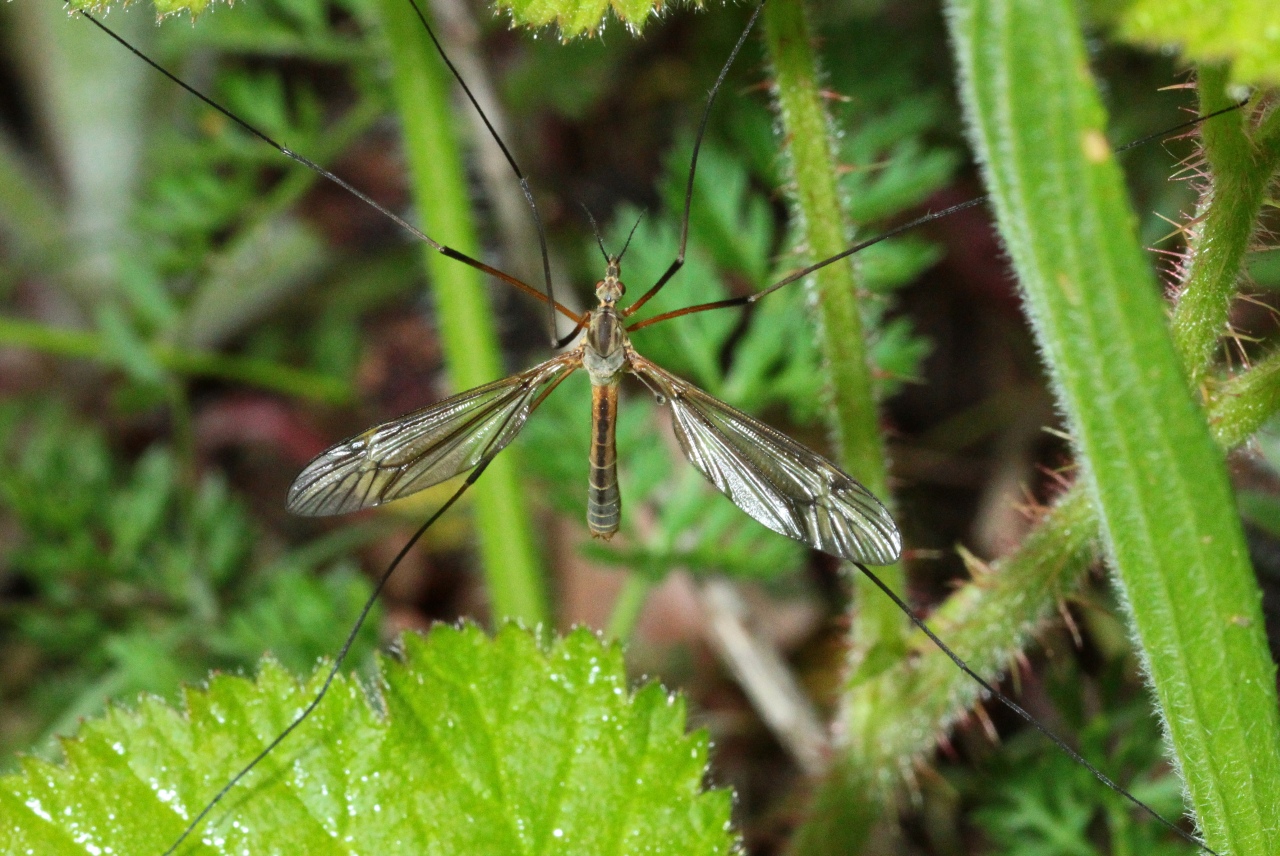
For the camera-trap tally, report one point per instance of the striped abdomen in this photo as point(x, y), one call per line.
point(604, 504)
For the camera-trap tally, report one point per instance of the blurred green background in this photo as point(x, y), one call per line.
point(188, 317)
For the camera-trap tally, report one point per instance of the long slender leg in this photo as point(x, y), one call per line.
point(748, 299)
point(326, 174)
point(693, 166)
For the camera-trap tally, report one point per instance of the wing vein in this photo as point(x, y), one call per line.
point(775, 480)
point(423, 448)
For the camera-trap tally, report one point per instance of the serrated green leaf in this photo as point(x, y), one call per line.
point(163, 8)
point(1246, 32)
point(574, 18)
point(488, 745)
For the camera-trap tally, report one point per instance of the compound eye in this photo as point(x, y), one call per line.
point(622, 289)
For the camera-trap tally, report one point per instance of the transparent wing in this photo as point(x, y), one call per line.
point(426, 447)
point(788, 488)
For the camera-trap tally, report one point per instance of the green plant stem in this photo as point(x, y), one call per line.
point(1148, 463)
point(988, 622)
point(996, 616)
point(1242, 168)
point(507, 549)
point(878, 626)
point(1240, 406)
point(83, 344)
point(878, 630)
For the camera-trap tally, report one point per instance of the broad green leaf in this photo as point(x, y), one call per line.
point(1245, 32)
point(1149, 466)
point(487, 746)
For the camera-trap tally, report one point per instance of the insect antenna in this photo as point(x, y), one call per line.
point(678, 262)
point(595, 230)
point(630, 235)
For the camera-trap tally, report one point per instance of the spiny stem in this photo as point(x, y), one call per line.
point(842, 337)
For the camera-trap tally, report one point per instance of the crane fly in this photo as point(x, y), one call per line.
point(780, 483)
point(775, 480)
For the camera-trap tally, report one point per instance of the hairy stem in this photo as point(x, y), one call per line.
point(1242, 168)
point(878, 627)
point(1158, 484)
point(997, 615)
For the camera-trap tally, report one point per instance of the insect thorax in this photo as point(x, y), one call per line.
point(604, 352)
